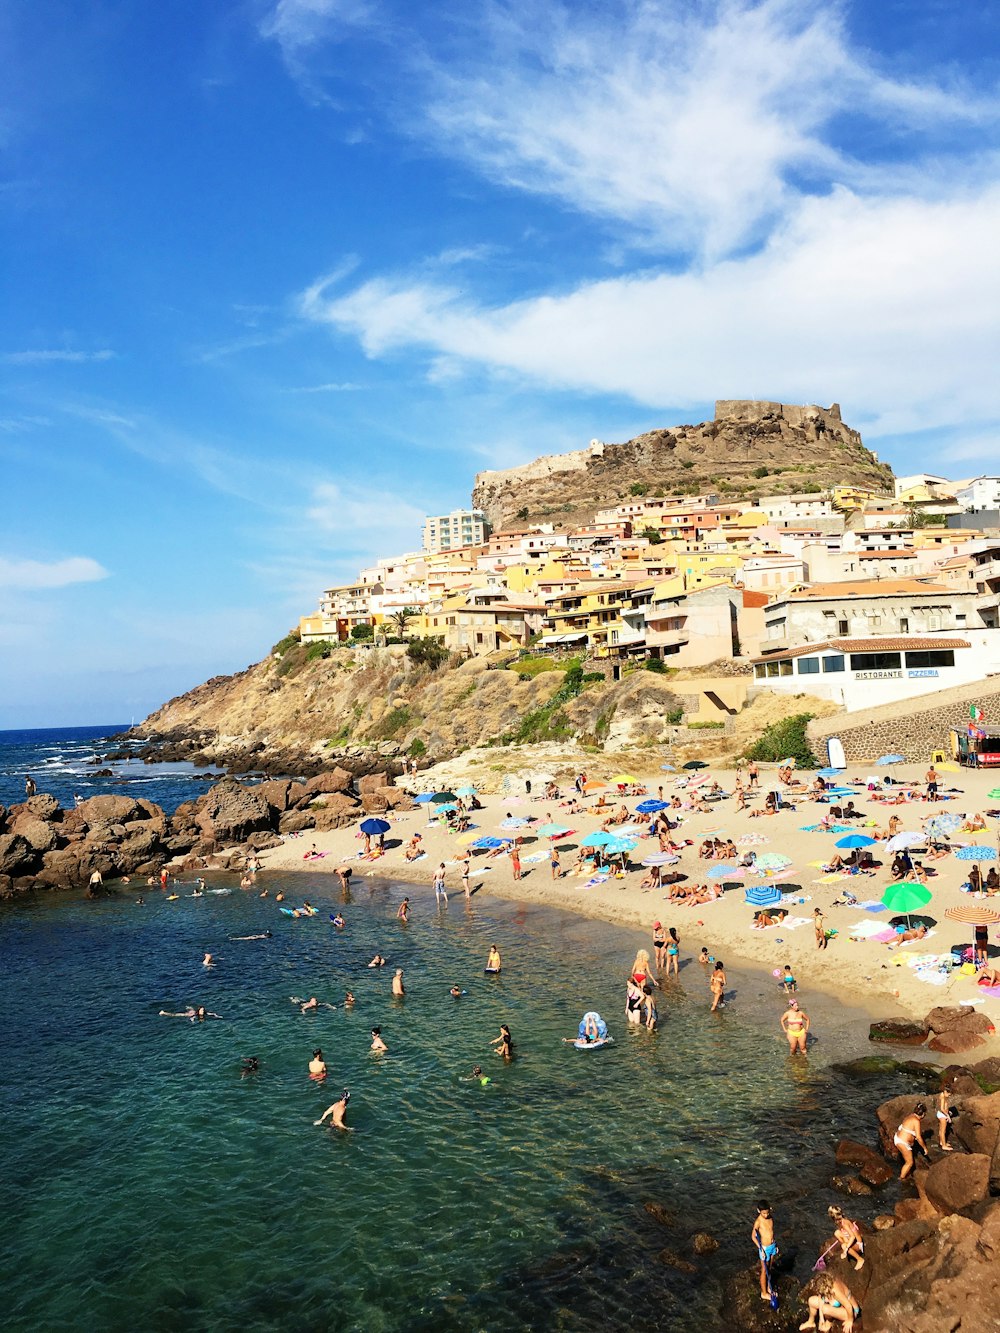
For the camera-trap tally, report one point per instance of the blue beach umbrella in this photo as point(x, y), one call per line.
point(891, 759)
point(975, 853)
point(855, 840)
point(828, 772)
point(423, 798)
point(727, 872)
point(490, 844)
point(619, 845)
point(762, 895)
point(597, 839)
point(668, 768)
point(447, 808)
point(552, 830)
point(651, 807)
point(373, 826)
point(466, 791)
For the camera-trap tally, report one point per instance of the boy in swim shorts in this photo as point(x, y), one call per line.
point(762, 1236)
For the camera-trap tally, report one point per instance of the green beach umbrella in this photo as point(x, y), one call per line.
point(906, 897)
point(994, 795)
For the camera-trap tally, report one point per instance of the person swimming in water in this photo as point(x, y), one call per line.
point(397, 984)
point(378, 1045)
point(251, 1065)
point(477, 1076)
point(338, 921)
point(265, 935)
point(377, 961)
point(493, 962)
point(456, 992)
point(208, 961)
point(336, 1112)
point(195, 1015)
point(317, 1065)
point(348, 999)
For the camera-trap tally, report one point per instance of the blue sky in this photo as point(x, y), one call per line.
point(279, 278)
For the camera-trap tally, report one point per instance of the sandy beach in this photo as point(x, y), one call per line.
point(856, 965)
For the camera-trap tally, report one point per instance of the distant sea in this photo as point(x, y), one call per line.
point(60, 759)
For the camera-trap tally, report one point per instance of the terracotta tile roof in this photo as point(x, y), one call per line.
point(897, 644)
point(868, 588)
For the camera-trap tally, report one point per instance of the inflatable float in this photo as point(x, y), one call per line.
point(593, 1032)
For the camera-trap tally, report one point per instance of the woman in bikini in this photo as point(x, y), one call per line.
point(795, 1025)
point(847, 1231)
point(833, 1300)
point(673, 952)
point(717, 984)
point(943, 1117)
point(907, 1135)
point(659, 944)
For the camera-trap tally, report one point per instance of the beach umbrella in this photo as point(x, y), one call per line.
point(440, 797)
point(373, 826)
point(489, 843)
point(668, 768)
point(553, 830)
point(446, 808)
point(762, 895)
point(994, 795)
point(773, 861)
point(592, 784)
point(423, 798)
point(661, 859)
point(972, 915)
point(619, 845)
point(725, 871)
point(466, 838)
point(942, 825)
point(623, 779)
point(515, 821)
point(651, 807)
point(696, 763)
point(905, 898)
point(828, 772)
point(903, 840)
point(975, 852)
point(467, 791)
point(891, 759)
point(699, 780)
point(599, 839)
point(855, 840)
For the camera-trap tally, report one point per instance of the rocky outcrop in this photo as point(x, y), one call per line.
point(951, 1029)
point(800, 447)
point(45, 847)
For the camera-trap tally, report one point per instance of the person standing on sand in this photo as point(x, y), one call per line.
point(931, 777)
point(819, 927)
point(439, 890)
point(717, 983)
point(753, 775)
point(795, 1026)
point(515, 861)
point(554, 862)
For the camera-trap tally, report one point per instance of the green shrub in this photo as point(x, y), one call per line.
point(637, 488)
point(522, 513)
point(784, 740)
point(675, 717)
point(417, 748)
point(361, 632)
point(428, 652)
point(590, 676)
point(687, 464)
point(291, 640)
point(706, 726)
point(390, 724)
point(317, 651)
point(654, 664)
point(529, 667)
point(760, 472)
point(653, 536)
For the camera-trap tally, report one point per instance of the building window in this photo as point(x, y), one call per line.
point(875, 661)
point(843, 627)
point(944, 657)
point(833, 663)
point(808, 666)
point(785, 666)
point(904, 624)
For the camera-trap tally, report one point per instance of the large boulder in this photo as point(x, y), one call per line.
point(17, 856)
point(230, 813)
point(987, 1073)
point(945, 1016)
point(890, 1115)
point(260, 842)
point(37, 833)
point(898, 1032)
point(967, 1031)
point(334, 812)
point(957, 1181)
point(335, 780)
point(977, 1128)
point(276, 793)
point(296, 821)
point(43, 806)
point(372, 782)
point(374, 802)
point(109, 810)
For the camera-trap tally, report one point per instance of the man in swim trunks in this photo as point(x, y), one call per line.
point(336, 1112)
point(795, 1026)
point(403, 911)
point(397, 984)
point(762, 1235)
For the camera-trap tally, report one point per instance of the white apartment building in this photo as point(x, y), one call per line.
point(866, 609)
point(462, 527)
point(980, 493)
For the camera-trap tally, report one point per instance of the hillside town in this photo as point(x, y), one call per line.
point(847, 594)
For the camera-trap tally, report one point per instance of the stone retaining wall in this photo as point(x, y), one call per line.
point(914, 728)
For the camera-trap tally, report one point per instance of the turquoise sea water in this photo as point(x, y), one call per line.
point(147, 1185)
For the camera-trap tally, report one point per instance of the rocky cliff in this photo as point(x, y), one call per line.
point(749, 448)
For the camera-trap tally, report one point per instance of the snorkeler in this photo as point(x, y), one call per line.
point(477, 1076)
point(336, 1112)
point(265, 935)
point(251, 1065)
point(195, 1015)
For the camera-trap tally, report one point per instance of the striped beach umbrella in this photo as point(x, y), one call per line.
point(762, 895)
point(660, 859)
point(973, 915)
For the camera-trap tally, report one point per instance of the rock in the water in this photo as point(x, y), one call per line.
point(850, 1185)
point(945, 1016)
point(743, 1309)
point(883, 1222)
point(875, 1171)
point(956, 1040)
point(898, 1031)
point(704, 1243)
point(660, 1213)
point(17, 856)
point(957, 1181)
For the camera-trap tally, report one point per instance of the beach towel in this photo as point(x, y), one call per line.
point(534, 857)
point(873, 905)
point(868, 930)
point(793, 922)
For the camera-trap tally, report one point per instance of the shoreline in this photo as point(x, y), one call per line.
point(854, 969)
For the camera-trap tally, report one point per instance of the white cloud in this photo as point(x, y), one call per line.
point(887, 304)
point(41, 356)
point(299, 24)
point(333, 387)
point(24, 575)
point(365, 522)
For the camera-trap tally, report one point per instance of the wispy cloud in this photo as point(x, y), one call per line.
point(26, 575)
point(346, 387)
point(299, 24)
point(366, 522)
point(43, 355)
